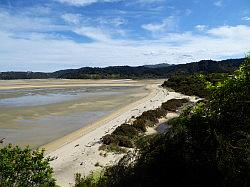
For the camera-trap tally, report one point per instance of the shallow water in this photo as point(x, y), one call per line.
point(37, 132)
point(39, 116)
point(28, 97)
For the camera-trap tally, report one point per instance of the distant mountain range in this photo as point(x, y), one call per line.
point(162, 65)
point(128, 72)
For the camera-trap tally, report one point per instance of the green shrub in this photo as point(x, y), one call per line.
point(112, 148)
point(110, 139)
point(173, 104)
point(193, 84)
point(90, 181)
point(140, 125)
point(118, 140)
point(24, 167)
point(126, 130)
point(149, 116)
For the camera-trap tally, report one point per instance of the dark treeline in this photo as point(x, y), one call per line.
point(127, 72)
point(23, 75)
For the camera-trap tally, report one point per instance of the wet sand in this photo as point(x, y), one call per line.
point(57, 83)
point(35, 123)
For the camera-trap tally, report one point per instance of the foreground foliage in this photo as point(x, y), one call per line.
point(24, 167)
point(208, 145)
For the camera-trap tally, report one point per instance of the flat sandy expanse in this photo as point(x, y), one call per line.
point(57, 83)
point(36, 112)
point(78, 152)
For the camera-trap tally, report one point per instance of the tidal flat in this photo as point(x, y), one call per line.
point(36, 112)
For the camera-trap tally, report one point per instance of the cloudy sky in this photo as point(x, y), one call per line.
point(48, 35)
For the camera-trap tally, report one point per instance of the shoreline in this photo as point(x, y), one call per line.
point(64, 140)
point(82, 154)
point(49, 117)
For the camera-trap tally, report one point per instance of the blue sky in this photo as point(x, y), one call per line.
point(48, 35)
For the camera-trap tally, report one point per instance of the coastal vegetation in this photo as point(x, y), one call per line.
point(194, 84)
point(127, 135)
point(24, 167)
point(207, 145)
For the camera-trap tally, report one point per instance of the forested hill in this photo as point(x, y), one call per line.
point(140, 72)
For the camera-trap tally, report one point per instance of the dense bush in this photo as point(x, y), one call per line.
point(122, 136)
point(149, 115)
point(193, 84)
point(110, 139)
point(24, 167)
point(126, 130)
point(208, 145)
point(140, 125)
point(116, 140)
point(173, 104)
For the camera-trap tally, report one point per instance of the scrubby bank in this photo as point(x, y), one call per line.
point(127, 135)
point(208, 145)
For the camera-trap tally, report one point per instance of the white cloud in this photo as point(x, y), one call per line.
point(102, 31)
point(94, 33)
point(28, 24)
point(24, 26)
point(43, 53)
point(167, 24)
point(246, 18)
point(232, 32)
point(149, 1)
point(89, 2)
point(72, 18)
point(85, 2)
point(218, 3)
point(29, 43)
point(200, 27)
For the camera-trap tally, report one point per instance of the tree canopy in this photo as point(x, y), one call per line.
point(24, 167)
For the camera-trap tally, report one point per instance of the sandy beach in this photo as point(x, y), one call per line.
point(78, 152)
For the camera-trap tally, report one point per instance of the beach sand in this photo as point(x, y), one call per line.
point(79, 152)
